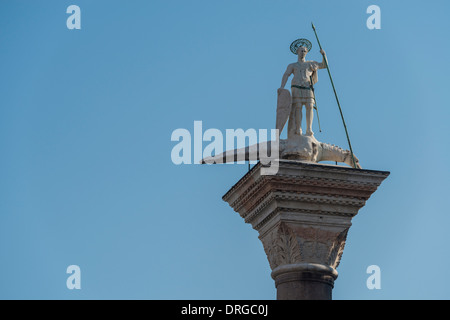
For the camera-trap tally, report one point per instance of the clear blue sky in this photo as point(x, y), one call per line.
point(86, 118)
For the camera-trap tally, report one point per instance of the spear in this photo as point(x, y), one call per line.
point(337, 99)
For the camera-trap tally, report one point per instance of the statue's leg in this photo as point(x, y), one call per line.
point(309, 117)
point(295, 119)
point(300, 117)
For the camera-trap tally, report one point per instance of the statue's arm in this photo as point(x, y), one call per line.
point(323, 64)
point(286, 75)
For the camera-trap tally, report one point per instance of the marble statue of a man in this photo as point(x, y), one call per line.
point(305, 76)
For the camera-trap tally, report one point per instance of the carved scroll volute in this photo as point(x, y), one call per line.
point(337, 249)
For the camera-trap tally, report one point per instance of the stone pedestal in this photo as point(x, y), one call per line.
point(303, 214)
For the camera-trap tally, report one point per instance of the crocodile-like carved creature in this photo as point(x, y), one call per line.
point(301, 147)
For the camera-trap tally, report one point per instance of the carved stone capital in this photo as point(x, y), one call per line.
point(289, 243)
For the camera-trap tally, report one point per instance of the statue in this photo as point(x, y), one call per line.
point(305, 76)
point(297, 146)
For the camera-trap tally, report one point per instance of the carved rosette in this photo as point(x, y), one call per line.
point(293, 244)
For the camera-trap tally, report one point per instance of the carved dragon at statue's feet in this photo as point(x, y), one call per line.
point(302, 148)
point(337, 154)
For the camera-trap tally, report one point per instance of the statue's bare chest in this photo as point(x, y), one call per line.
point(301, 68)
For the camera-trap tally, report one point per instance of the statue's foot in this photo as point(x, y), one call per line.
point(309, 133)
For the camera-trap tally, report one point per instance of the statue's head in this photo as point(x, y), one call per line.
point(302, 52)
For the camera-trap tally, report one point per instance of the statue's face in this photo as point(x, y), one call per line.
point(301, 52)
